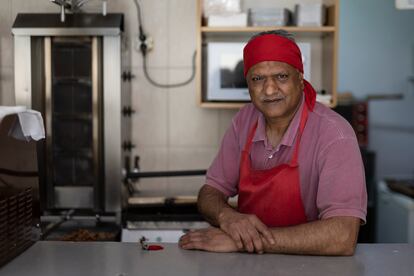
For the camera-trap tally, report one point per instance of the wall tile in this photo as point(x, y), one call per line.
point(189, 124)
point(6, 51)
point(155, 24)
point(6, 38)
point(185, 185)
point(150, 121)
point(188, 158)
point(151, 159)
point(7, 86)
point(181, 32)
point(5, 17)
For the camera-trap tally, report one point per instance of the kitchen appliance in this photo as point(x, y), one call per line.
point(71, 72)
point(161, 218)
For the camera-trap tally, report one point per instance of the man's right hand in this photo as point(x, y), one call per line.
point(246, 230)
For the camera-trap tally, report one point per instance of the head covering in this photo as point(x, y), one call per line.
point(273, 47)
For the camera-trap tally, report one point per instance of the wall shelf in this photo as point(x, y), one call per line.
point(323, 41)
point(292, 29)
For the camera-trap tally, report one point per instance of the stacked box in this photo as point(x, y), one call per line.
point(269, 17)
point(15, 222)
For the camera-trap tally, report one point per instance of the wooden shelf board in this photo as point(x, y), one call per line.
point(227, 105)
point(324, 29)
point(224, 105)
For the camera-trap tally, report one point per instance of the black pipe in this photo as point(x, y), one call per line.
point(135, 175)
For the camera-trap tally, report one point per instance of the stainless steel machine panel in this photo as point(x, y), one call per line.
point(71, 72)
point(73, 118)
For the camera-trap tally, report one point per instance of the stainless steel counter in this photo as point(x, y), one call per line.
point(127, 259)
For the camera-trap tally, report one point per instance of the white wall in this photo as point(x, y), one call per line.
point(171, 132)
point(376, 56)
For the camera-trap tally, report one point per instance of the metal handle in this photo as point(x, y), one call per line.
point(134, 175)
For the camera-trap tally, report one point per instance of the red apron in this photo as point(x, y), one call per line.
point(273, 195)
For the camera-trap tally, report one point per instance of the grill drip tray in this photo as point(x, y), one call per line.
point(85, 230)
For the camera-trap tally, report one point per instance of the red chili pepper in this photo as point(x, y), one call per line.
point(155, 247)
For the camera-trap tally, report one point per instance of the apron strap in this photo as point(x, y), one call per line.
point(303, 119)
point(248, 143)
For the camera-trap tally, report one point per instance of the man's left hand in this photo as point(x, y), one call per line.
point(208, 239)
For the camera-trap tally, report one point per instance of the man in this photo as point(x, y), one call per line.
point(294, 163)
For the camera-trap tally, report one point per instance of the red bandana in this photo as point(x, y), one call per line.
point(271, 47)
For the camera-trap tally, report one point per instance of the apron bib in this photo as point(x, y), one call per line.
point(273, 195)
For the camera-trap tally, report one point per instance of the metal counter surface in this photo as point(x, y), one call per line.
point(48, 258)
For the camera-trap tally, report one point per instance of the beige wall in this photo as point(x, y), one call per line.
point(171, 132)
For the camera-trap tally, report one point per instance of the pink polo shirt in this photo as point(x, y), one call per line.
point(332, 176)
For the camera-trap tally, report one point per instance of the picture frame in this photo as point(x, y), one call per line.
point(225, 78)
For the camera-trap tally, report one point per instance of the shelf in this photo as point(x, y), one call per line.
point(293, 29)
point(224, 105)
point(230, 105)
point(323, 41)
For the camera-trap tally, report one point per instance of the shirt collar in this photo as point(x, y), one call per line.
point(290, 134)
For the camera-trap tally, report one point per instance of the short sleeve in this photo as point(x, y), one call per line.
point(341, 187)
point(223, 173)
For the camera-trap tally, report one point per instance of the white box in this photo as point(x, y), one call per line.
point(231, 20)
point(310, 14)
point(269, 16)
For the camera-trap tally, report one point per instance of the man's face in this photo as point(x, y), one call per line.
point(275, 88)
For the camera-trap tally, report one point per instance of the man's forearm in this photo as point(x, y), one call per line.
point(211, 202)
point(333, 236)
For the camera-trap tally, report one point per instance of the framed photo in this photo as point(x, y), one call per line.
point(225, 79)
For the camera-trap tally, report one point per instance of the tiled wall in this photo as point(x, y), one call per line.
point(171, 132)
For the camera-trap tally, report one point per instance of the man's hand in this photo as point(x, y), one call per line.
point(208, 239)
point(245, 230)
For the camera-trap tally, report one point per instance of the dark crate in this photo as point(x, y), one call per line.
point(15, 222)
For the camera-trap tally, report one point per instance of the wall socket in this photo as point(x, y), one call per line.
point(148, 41)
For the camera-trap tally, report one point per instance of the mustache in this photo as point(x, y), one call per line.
point(272, 98)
